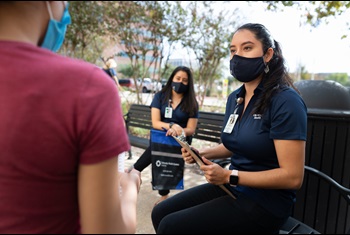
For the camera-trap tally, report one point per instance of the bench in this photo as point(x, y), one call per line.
point(139, 117)
point(323, 202)
point(294, 226)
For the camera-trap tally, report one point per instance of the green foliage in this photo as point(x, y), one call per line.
point(130, 72)
point(137, 28)
point(148, 31)
point(208, 35)
point(167, 72)
point(305, 76)
point(342, 78)
point(139, 132)
point(84, 37)
point(125, 107)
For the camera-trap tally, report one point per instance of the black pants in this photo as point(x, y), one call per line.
point(144, 161)
point(207, 209)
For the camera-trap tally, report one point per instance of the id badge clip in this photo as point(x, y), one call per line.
point(231, 123)
point(168, 112)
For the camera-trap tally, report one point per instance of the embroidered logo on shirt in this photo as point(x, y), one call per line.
point(257, 116)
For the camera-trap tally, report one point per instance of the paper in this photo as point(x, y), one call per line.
point(121, 162)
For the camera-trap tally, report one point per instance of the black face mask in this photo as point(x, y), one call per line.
point(246, 69)
point(179, 87)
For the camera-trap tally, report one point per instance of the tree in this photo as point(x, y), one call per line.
point(128, 71)
point(208, 36)
point(301, 73)
point(85, 36)
point(143, 29)
point(172, 29)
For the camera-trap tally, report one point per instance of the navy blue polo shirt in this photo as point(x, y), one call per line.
point(178, 116)
point(251, 141)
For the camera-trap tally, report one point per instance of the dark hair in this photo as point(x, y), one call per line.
point(189, 103)
point(278, 76)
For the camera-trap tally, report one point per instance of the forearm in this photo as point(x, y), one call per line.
point(129, 193)
point(217, 152)
point(189, 131)
point(128, 207)
point(289, 174)
point(102, 208)
point(159, 125)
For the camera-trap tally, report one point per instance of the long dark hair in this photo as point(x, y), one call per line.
point(278, 76)
point(189, 103)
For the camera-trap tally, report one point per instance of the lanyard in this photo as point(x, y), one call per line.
point(168, 110)
point(239, 101)
point(233, 117)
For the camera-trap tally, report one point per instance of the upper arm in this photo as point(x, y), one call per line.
point(291, 158)
point(98, 197)
point(156, 118)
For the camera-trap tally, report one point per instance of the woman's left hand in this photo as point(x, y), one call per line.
point(171, 132)
point(175, 130)
point(213, 172)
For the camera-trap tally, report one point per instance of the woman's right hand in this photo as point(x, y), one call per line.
point(132, 176)
point(187, 156)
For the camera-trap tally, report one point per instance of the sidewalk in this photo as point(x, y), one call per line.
point(147, 196)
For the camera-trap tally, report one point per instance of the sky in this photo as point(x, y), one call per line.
point(320, 50)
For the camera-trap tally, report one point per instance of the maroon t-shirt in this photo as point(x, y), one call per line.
point(55, 113)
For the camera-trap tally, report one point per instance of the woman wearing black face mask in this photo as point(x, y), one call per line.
point(175, 109)
point(264, 134)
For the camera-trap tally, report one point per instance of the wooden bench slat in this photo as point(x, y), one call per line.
point(139, 116)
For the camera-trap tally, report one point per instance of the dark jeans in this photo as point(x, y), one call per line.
point(207, 209)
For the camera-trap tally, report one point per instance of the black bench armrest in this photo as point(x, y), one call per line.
point(294, 226)
point(345, 192)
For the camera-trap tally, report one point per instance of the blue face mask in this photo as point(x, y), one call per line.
point(56, 31)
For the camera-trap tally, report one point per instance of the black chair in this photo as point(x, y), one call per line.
point(294, 226)
point(318, 205)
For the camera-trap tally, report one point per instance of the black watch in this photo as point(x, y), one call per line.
point(234, 178)
point(171, 124)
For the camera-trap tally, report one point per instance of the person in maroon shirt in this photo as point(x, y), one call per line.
point(61, 131)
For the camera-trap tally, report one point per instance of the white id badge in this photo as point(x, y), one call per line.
point(168, 112)
point(231, 123)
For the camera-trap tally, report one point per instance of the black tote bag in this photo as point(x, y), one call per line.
point(167, 162)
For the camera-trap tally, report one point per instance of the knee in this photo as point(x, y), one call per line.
point(161, 220)
point(156, 216)
point(166, 226)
